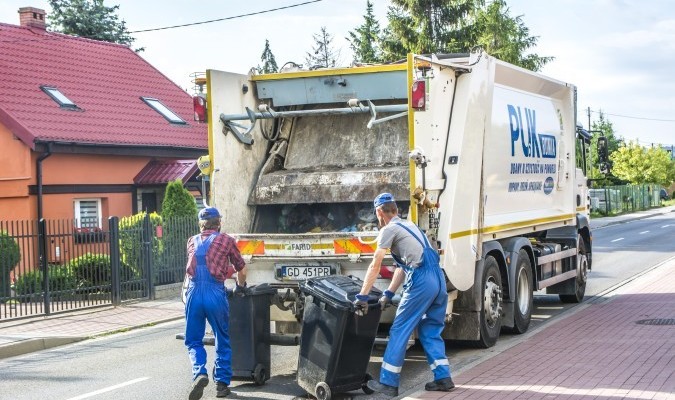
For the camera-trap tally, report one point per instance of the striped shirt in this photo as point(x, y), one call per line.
point(222, 260)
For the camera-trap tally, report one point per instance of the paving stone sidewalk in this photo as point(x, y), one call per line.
point(619, 346)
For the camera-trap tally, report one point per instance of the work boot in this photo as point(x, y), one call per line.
point(198, 385)
point(222, 390)
point(391, 391)
point(441, 385)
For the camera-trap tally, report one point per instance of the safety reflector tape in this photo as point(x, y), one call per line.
point(354, 246)
point(251, 247)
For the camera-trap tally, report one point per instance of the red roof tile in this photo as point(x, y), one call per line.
point(105, 80)
point(161, 172)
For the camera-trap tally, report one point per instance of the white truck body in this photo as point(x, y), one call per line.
point(496, 156)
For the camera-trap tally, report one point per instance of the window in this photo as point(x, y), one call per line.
point(163, 110)
point(59, 98)
point(88, 214)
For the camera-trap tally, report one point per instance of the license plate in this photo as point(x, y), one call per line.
point(302, 272)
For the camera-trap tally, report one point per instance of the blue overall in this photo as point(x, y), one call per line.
point(422, 306)
point(206, 299)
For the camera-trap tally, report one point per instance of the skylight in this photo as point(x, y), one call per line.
point(58, 97)
point(163, 110)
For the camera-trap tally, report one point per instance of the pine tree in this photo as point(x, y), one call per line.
point(89, 19)
point(459, 26)
point(364, 41)
point(323, 55)
point(428, 26)
point(269, 65)
point(505, 37)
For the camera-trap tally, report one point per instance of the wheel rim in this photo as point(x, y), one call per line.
point(492, 302)
point(523, 292)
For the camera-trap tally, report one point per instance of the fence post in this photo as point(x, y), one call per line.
point(42, 262)
point(115, 270)
point(147, 255)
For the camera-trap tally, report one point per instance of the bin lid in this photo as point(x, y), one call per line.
point(339, 289)
point(261, 289)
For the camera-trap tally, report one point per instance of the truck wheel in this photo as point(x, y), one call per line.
point(491, 311)
point(322, 391)
point(582, 275)
point(522, 309)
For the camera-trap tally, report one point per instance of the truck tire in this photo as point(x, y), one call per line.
point(491, 307)
point(522, 309)
point(582, 275)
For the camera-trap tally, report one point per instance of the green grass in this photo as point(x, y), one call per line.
point(670, 202)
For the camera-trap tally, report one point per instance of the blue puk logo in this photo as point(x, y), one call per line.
point(525, 131)
point(548, 185)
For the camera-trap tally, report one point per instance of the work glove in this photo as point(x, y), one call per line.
point(385, 300)
point(241, 291)
point(361, 304)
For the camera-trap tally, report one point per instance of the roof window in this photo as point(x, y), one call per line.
point(163, 110)
point(58, 97)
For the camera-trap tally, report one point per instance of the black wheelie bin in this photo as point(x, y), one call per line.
point(335, 343)
point(250, 334)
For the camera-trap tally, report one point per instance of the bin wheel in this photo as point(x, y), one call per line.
point(322, 391)
point(364, 385)
point(259, 375)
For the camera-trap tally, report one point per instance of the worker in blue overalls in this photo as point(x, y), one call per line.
point(423, 301)
point(213, 257)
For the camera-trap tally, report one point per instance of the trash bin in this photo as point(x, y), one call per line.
point(250, 334)
point(335, 343)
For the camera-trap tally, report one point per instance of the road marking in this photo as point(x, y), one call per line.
point(616, 240)
point(665, 226)
point(109, 389)
point(642, 233)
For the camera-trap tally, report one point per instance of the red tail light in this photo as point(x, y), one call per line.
point(418, 95)
point(199, 105)
point(387, 271)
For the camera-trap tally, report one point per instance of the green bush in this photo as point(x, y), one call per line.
point(60, 278)
point(94, 270)
point(10, 255)
point(131, 240)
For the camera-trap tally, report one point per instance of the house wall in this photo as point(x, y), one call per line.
point(18, 172)
point(15, 176)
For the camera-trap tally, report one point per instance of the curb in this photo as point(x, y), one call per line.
point(29, 345)
point(25, 346)
point(631, 219)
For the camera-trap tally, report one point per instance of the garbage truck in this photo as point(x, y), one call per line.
point(484, 156)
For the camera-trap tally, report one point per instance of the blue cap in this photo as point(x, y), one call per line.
point(383, 198)
point(208, 213)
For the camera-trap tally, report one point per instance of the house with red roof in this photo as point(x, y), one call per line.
point(88, 129)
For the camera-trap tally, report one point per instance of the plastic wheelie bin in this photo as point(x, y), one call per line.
point(250, 334)
point(335, 343)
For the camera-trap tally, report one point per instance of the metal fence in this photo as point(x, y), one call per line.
point(50, 266)
point(611, 200)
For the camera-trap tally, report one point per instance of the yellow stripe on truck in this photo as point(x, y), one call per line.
point(514, 225)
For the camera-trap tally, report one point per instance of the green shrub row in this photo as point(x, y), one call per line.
point(86, 271)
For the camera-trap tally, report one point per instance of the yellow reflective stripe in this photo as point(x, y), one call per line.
point(506, 227)
point(330, 72)
point(581, 208)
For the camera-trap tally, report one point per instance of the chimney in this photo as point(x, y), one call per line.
point(31, 17)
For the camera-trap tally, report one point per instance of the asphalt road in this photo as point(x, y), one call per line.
point(152, 364)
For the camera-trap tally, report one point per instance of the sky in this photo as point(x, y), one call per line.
point(619, 53)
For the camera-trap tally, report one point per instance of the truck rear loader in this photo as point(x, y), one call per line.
point(484, 156)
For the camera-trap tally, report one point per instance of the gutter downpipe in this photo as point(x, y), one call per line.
point(38, 172)
point(42, 230)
